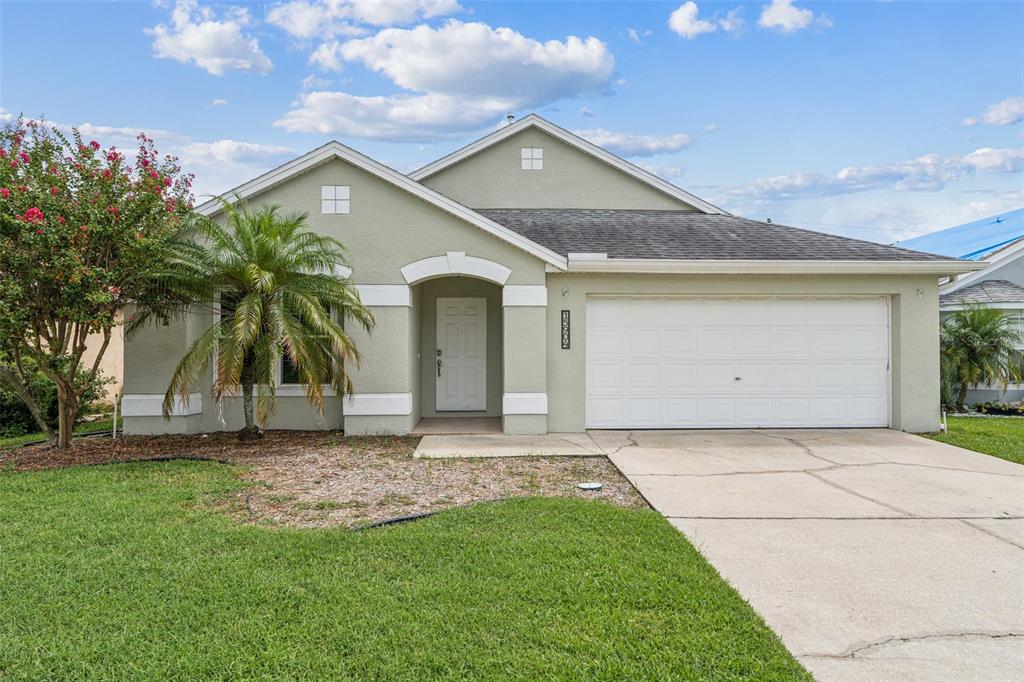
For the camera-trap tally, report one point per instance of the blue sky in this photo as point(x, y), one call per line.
point(878, 120)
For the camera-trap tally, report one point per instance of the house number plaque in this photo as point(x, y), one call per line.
point(565, 330)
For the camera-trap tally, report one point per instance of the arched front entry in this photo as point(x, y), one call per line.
point(493, 359)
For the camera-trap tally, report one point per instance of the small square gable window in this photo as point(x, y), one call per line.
point(334, 199)
point(532, 158)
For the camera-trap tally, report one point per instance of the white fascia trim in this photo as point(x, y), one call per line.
point(456, 263)
point(995, 260)
point(382, 295)
point(151, 405)
point(791, 267)
point(524, 403)
point(524, 295)
point(378, 404)
point(586, 256)
point(334, 149)
point(533, 120)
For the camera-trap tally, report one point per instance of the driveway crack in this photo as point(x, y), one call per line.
point(986, 531)
point(862, 496)
point(858, 651)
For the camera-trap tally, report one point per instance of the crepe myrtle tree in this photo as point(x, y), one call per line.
point(81, 229)
point(279, 294)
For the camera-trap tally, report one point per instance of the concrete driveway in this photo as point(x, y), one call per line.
point(874, 554)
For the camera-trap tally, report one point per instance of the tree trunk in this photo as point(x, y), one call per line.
point(67, 410)
point(250, 431)
point(961, 396)
point(11, 380)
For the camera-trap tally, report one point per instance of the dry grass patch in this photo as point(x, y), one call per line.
point(323, 479)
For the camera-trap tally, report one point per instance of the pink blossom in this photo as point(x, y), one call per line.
point(167, 182)
point(112, 209)
point(4, 192)
point(113, 156)
point(145, 163)
point(33, 215)
point(40, 231)
point(53, 191)
point(3, 154)
point(153, 174)
point(24, 157)
point(106, 173)
point(95, 145)
point(14, 164)
point(60, 219)
point(22, 188)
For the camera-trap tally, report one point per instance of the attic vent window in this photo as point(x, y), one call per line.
point(334, 199)
point(532, 158)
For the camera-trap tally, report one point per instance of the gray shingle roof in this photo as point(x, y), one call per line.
point(685, 235)
point(989, 291)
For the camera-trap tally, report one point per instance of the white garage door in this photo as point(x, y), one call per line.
point(737, 362)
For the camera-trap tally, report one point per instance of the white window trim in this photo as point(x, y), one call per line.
point(531, 158)
point(330, 202)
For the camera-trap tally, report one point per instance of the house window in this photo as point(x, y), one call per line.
point(334, 199)
point(290, 375)
point(532, 158)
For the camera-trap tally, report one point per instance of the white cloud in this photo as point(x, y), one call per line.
point(457, 78)
point(710, 127)
point(5, 115)
point(733, 21)
point(928, 172)
point(665, 172)
point(312, 82)
point(783, 16)
point(476, 60)
point(218, 102)
point(328, 57)
point(330, 18)
point(401, 118)
point(630, 144)
point(637, 35)
point(217, 46)
point(1006, 113)
point(585, 112)
point(230, 151)
point(684, 21)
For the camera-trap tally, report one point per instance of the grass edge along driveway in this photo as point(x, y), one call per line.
point(1001, 437)
point(126, 571)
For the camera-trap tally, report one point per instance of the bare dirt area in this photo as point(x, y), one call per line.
point(321, 478)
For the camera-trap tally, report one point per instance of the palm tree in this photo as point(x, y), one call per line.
point(979, 345)
point(277, 285)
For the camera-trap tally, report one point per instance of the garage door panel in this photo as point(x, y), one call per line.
point(674, 363)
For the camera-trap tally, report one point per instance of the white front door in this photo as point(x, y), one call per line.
point(737, 362)
point(461, 359)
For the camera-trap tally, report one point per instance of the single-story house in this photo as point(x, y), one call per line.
point(536, 277)
point(999, 241)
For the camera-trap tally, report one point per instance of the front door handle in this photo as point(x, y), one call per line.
point(439, 368)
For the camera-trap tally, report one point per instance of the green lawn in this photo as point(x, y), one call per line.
point(126, 571)
point(1001, 437)
point(85, 427)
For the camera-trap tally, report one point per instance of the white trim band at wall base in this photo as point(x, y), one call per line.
point(382, 295)
point(378, 404)
point(524, 295)
point(150, 405)
point(524, 403)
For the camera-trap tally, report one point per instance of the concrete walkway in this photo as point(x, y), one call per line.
point(874, 554)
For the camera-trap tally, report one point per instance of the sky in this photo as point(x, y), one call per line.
point(876, 120)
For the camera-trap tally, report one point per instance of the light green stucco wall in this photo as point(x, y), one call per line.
point(493, 178)
point(459, 287)
point(914, 331)
point(389, 228)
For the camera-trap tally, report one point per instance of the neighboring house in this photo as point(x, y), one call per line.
point(536, 277)
point(112, 363)
point(998, 240)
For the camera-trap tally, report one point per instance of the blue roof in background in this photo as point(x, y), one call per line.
point(972, 241)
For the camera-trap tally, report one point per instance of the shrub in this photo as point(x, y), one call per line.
point(1014, 409)
point(15, 418)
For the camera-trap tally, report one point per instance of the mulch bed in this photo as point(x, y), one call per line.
point(319, 478)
